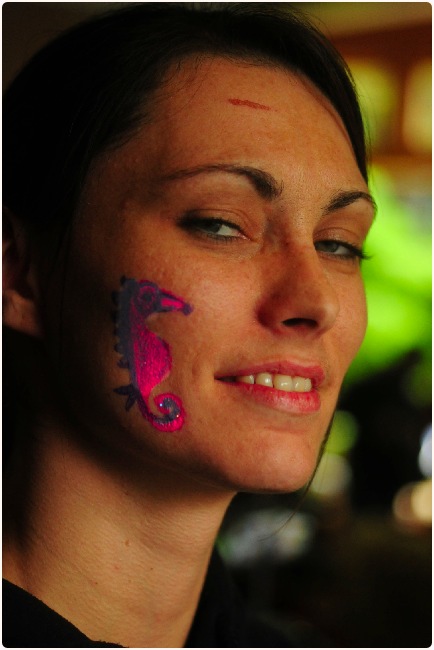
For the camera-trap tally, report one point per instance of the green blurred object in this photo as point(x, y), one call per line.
point(343, 434)
point(398, 287)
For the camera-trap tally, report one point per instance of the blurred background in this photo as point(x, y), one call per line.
point(349, 563)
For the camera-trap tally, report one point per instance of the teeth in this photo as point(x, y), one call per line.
point(247, 379)
point(280, 382)
point(302, 385)
point(264, 379)
point(283, 382)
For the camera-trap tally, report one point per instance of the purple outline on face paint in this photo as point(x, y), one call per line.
point(145, 354)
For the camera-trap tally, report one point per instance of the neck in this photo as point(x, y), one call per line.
point(133, 554)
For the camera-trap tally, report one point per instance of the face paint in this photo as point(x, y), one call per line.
point(247, 102)
point(144, 353)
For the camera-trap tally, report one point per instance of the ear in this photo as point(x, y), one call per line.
point(20, 304)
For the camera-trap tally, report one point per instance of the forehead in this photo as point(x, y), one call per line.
point(246, 92)
point(213, 76)
point(222, 111)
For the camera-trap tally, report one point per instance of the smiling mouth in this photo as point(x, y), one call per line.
point(286, 383)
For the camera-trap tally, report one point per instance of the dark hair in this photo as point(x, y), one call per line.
point(89, 90)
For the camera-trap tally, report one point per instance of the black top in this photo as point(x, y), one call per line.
point(221, 620)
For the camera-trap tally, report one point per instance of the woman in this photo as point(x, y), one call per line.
point(186, 210)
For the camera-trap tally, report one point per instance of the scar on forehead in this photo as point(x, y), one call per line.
point(247, 102)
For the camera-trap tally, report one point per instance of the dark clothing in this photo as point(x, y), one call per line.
point(220, 621)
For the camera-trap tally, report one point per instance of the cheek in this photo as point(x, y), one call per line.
point(351, 329)
point(223, 301)
point(145, 355)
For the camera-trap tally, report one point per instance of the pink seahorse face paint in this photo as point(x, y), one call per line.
point(144, 354)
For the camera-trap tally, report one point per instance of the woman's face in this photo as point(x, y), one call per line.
point(234, 219)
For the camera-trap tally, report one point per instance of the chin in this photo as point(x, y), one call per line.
point(263, 484)
point(270, 464)
point(277, 473)
point(293, 480)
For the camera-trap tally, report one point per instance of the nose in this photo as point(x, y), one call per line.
point(300, 296)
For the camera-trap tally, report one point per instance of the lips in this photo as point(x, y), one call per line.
point(284, 386)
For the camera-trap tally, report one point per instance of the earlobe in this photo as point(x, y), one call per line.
point(20, 305)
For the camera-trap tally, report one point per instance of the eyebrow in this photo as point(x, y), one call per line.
point(344, 198)
point(266, 185)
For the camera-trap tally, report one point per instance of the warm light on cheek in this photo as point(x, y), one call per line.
point(356, 321)
point(144, 354)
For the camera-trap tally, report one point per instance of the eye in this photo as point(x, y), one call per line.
point(340, 249)
point(212, 227)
